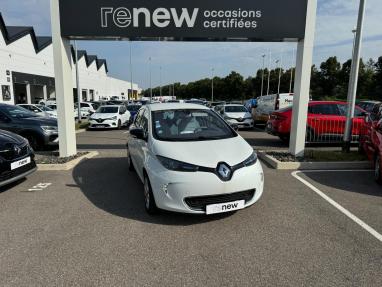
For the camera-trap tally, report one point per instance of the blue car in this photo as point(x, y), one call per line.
point(133, 109)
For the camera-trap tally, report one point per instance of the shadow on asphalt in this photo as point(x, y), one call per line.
point(350, 181)
point(12, 185)
point(110, 186)
point(101, 146)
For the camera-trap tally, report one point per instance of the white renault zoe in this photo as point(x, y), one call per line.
point(190, 160)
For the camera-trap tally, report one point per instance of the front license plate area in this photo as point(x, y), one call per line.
point(225, 207)
point(20, 163)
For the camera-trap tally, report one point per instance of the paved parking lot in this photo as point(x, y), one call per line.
point(89, 228)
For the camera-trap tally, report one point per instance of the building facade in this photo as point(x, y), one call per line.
point(27, 70)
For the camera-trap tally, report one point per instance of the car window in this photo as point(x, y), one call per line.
point(107, 110)
point(17, 112)
point(324, 109)
point(145, 122)
point(344, 108)
point(236, 109)
point(138, 118)
point(189, 125)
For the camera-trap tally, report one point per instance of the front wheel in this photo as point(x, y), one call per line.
point(377, 170)
point(119, 124)
point(150, 205)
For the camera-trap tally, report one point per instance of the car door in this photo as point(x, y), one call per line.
point(134, 142)
point(324, 121)
point(142, 144)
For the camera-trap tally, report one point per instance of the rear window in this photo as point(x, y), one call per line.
point(344, 108)
point(108, 110)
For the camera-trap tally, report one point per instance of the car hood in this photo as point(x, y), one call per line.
point(103, 116)
point(10, 138)
point(205, 153)
point(42, 121)
point(239, 115)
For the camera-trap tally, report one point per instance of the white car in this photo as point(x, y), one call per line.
point(87, 107)
point(236, 115)
point(191, 161)
point(40, 110)
point(84, 113)
point(107, 117)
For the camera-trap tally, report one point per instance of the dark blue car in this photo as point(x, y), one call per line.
point(133, 109)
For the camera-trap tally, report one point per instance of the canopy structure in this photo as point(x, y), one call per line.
point(175, 20)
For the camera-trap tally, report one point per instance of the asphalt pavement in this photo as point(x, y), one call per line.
point(88, 227)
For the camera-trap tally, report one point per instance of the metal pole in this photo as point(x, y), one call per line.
point(151, 88)
point(262, 75)
point(79, 94)
point(131, 73)
point(269, 71)
point(291, 73)
point(278, 85)
point(353, 80)
point(212, 91)
point(160, 81)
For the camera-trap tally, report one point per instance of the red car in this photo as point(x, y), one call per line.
point(371, 141)
point(326, 122)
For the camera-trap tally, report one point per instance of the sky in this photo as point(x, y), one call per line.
point(188, 61)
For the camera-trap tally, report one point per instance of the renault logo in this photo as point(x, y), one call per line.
point(16, 150)
point(224, 171)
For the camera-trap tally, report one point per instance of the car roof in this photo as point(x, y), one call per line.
point(234, 105)
point(110, 106)
point(175, 106)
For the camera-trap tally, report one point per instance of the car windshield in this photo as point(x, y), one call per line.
point(133, 108)
point(107, 110)
point(18, 112)
point(194, 102)
point(235, 109)
point(189, 125)
point(44, 108)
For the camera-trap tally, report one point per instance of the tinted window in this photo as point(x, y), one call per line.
point(235, 109)
point(133, 108)
point(325, 109)
point(107, 110)
point(344, 108)
point(189, 125)
point(17, 112)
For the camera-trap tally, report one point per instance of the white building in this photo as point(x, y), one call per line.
point(27, 71)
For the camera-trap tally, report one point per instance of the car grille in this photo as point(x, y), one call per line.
point(99, 120)
point(200, 203)
point(13, 173)
point(14, 152)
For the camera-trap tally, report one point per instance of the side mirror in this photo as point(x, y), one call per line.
point(138, 133)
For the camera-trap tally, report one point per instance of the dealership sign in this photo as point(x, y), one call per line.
point(198, 20)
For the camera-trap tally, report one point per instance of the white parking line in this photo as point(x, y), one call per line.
point(369, 229)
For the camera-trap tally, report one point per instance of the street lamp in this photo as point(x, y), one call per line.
point(131, 72)
point(262, 76)
point(353, 80)
point(160, 81)
point(269, 70)
point(151, 88)
point(212, 88)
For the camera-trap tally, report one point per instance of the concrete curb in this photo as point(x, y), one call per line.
point(276, 164)
point(80, 131)
point(66, 166)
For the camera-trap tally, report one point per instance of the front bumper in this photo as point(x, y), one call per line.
point(8, 177)
point(105, 124)
point(248, 123)
point(172, 190)
point(51, 139)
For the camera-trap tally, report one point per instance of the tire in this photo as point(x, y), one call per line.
point(130, 163)
point(150, 206)
point(377, 170)
point(33, 141)
point(285, 139)
point(119, 124)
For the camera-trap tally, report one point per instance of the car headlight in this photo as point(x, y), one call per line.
point(113, 118)
point(251, 160)
point(175, 165)
point(49, 129)
point(248, 118)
